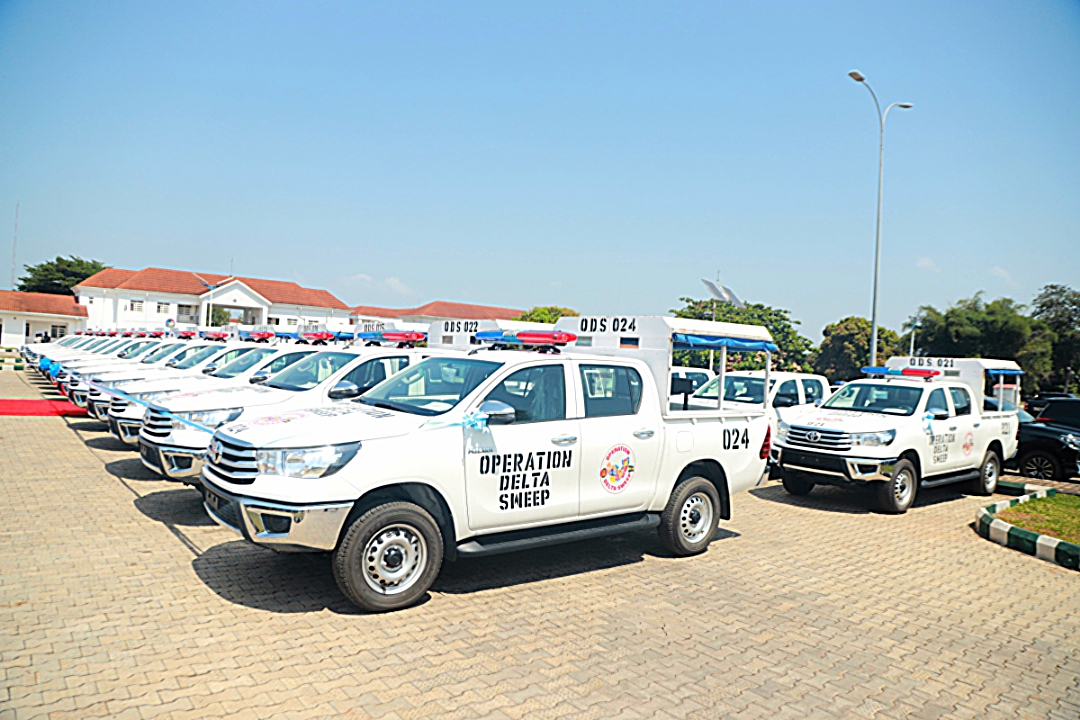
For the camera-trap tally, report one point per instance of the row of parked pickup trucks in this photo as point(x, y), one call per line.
point(395, 454)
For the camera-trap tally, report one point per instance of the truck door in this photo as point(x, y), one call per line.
point(526, 471)
point(971, 439)
point(621, 438)
point(942, 437)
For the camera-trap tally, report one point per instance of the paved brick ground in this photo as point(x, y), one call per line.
point(120, 599)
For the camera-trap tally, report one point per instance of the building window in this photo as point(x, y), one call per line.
point(136, 306)
point(292, 321)
point(274, 321)
point(58, 331)
point(163, 308)
point(187, 313)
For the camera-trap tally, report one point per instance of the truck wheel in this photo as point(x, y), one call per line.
point(898, 493)
point(388, 557)
point(989, 472)
point(689, 521)
point(1040, 465)
point(796, 484)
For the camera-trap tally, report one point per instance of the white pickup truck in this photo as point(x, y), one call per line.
point(918, 422)
point(494, 451)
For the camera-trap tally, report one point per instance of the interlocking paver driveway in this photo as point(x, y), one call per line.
point(120, 599)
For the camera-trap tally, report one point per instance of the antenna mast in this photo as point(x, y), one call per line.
point(14, 246)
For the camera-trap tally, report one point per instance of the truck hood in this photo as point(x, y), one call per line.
point(177, 383)
point(849, 421)
point(245, 396)
point(329, 425)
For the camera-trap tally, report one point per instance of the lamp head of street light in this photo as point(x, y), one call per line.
point(906, 106)
point(856, 76)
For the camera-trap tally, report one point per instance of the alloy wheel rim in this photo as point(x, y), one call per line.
point(990, 473)
point(901, 489)
point(1039, 468)
point(394, 559)
point(695, 517)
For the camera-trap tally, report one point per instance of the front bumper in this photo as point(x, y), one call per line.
point(79, 398)
point(98, 407)
point(126, 431)
point(282, 527)
point(830, 469)
point(175, 463)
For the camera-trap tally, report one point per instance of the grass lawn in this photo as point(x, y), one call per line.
point(1058, 516)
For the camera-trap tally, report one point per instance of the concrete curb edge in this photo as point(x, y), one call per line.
point(1044, 547)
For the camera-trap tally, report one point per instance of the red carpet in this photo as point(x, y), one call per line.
point(27, 408)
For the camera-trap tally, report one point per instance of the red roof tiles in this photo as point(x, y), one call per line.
point(44, 303)
point(184, 282)
point(443, 309)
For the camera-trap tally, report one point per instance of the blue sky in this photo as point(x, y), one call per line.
point(603, 156)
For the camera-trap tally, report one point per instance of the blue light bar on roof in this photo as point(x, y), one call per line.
point(1004, 371)
point(686, 341)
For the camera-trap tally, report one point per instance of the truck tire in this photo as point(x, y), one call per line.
point(689, 521)
point(796, 483)
point(388, 557)
point(897, 494)
point(989, 473)
point(1040, 465)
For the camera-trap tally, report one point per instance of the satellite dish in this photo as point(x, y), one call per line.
point(723, 293)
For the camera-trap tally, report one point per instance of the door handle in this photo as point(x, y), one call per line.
point(978, 424)
point(952, 427)
point(644, 434)
point(564, 440)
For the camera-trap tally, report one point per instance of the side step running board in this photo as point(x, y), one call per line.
point(513, 540)
point(961, 477)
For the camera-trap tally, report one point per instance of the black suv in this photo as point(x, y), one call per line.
point(1037, 403)
point(1050, 443)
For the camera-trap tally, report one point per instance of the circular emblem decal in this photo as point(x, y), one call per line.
point(215, 451)
point(813, 436)
point(969, 444)
point(617, 469)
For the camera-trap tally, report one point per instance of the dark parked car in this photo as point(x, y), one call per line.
point(1050, 444)
point(1037, 403)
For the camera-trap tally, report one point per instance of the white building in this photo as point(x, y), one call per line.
point(24, 315)
point(432, 311)
point(117, 299)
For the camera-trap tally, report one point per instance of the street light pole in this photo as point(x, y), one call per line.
point(858, 77)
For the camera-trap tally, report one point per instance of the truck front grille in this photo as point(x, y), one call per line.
point(235, 464)
point(157, 424)
point(117, 405)
point(809, 437)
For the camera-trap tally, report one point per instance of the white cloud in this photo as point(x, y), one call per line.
point(1000, 272)
point(397, 286)
point(393, 284)
point(925, 263)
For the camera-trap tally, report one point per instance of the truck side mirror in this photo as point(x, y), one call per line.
point(783, 401)
point(344, 389)
point(682, 386)
point(498, 413)
point(171, 363)
point(818, 402)
point(209, 368)
point(938, 414)
point(259, 377)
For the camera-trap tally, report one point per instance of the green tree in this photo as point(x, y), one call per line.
point(219, 317)
point(794, 349)
point(1058, 306)
point(58, 276)
point(845, 348)
point(546, 314)
point(972, 327)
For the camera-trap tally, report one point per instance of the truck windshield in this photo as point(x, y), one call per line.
point(432, 387)
point(197, 357)
point(243, 363)
point(160, 353)
point(737, 388)
point(887, 399)
point(137, 350)
point(310, 371)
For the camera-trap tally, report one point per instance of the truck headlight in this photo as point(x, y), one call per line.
point(782, 430)
point(1071, 441)
point(874, 439)
point(209, 418)
point(151, 396)
point(313, 462)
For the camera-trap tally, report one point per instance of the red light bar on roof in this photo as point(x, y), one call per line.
point(186, 333)
point(319, 335)
point(917, 372)
point(403, 336)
